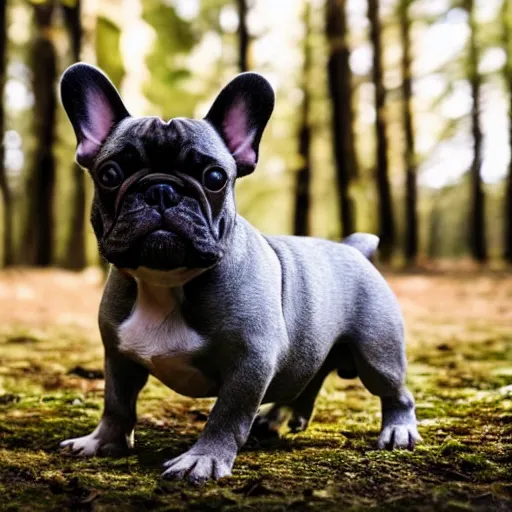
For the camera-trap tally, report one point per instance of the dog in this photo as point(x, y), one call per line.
point(200, 299)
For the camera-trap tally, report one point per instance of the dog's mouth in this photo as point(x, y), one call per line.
point(161, 249)
point(164, 250)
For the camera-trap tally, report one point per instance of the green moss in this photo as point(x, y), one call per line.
point(464, 410)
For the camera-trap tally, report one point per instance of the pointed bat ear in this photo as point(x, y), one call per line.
point(240, 114)
point(93, 106)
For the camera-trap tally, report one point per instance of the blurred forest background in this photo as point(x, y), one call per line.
point(393, 116)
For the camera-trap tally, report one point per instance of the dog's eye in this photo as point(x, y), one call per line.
point(214, 179)
point(110, 175)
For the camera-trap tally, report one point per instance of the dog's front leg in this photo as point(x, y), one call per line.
point(228, 425)
point(114, 434)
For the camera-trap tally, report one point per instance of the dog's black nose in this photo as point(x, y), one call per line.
point(163, 196)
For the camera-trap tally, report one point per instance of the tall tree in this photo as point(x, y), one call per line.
point(477, 239)
point(4, 184)
point(340, 89)
point(386, 219)
point(38, 239)
point(75, 252)
point(303, 177)
point(243, 36)
point(507, 43)
point(411, 215)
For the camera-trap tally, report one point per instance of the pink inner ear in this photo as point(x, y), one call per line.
point(97, 125)
point(237, 135)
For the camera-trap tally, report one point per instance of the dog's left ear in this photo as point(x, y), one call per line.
point(240, 114)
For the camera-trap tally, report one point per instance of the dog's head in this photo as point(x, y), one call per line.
point(164, 191)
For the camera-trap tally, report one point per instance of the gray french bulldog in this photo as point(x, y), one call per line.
point(201, 300)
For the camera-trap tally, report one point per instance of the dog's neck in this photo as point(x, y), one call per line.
point(175, 278)
point(160, 292)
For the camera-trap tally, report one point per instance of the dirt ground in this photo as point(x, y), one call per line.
point(459, 327)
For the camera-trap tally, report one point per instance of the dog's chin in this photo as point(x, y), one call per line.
point(162, 250)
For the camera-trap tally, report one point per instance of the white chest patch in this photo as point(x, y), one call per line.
point(156, 335)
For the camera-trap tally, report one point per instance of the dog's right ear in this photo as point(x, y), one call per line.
point(93, 106)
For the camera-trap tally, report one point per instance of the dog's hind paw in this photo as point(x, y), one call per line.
point(268, 424)
point(398, 437)
point(298, 423)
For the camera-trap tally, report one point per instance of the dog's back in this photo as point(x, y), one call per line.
point(331, 289)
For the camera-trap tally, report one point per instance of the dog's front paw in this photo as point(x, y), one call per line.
point(398, 436)
point(96, 444)
point(196, 468)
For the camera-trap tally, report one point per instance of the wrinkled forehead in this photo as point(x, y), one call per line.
point(159, 145)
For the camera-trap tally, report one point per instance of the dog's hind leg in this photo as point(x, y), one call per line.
point(340, 358)
point(298, 412)
point(381, 365)
point(303, 406)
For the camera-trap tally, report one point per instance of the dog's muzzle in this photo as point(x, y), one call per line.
point(163, 192)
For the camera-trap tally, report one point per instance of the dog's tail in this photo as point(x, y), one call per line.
point(365, 243)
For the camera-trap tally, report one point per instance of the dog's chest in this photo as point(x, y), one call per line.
point(156, 335)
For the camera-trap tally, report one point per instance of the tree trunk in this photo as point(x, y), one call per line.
point(477, 217)
point(411, 216)
point(303, 178)
point(75, 252)
point(507, 43)
point(340, 89)
point(39, 238)
point(8, 256)
point(435, 227)
point(243, 36)
point(386, 220)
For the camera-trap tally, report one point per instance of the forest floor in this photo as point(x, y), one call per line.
point(460, 351)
